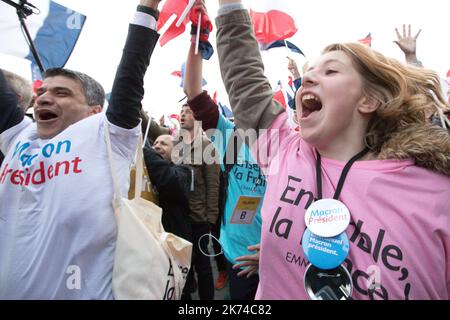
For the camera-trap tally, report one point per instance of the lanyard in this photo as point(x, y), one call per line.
point(341, 178)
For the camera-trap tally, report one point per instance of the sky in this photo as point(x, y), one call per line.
point(319, 22)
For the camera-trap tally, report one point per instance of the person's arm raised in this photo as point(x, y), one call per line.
point(408, 44)
point(201, 104)
point(193, 73)
point(128, 87)
point(250, 94)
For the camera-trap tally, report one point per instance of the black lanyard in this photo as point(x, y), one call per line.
point(341, 178)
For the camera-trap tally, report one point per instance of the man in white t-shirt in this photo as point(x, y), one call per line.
point(57, 225)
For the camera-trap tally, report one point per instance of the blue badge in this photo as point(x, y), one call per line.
point(325, 253)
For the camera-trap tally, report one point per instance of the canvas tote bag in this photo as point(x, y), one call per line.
point(148, 192)
point(149, 263)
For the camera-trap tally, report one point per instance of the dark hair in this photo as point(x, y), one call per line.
point(93, 91)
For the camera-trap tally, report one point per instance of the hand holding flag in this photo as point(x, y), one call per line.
point(201, 28)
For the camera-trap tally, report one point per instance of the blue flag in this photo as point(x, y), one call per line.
point(56, 34)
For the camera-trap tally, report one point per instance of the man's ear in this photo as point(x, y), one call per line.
point(368, 105)
point(95, 109)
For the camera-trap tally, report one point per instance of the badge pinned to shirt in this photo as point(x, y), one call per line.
point(327, 218)
point(325, 253)
point(245, 210)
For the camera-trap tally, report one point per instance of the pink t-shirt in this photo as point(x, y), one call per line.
point(401, 212)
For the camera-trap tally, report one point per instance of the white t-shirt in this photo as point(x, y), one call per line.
point(57, 224)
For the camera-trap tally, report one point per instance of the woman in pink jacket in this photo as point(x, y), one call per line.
point(366, 144)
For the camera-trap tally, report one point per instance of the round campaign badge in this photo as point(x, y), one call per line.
point(327, 218)
point(335, 284)
point(325, 253)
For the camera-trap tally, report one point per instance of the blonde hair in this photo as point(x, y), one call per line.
point(407, 97)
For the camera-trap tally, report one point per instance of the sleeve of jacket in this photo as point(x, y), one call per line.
point(10, 112)
point(128, 88)
point(250, 94)
point(212, 177)
point(205, 110)
point(166, 176)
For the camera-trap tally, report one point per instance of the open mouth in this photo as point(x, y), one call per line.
point(46, 115)
point(310, 104)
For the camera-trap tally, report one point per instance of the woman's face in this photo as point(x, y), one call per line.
point(328, 101)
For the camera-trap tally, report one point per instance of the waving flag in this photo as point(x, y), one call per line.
point(293, 86)
point(55, 31)
point(271, 20)
point(172, 7)
point(367, 40)
point(278, 95)
point(175, 7)
point(281, 43)
point(290, 93)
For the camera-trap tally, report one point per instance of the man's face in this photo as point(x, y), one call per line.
point(187, 118)
point(164, 145)
point(60, 102)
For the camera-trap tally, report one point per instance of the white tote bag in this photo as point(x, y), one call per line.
point(149, 263)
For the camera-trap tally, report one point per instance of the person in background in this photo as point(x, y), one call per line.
point(173, 185)
point(23, 90)
point(408, 44)
point(191, 149)
point(240, 229)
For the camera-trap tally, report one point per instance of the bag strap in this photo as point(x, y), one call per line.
point(139, 170)
point(139, 166)
point(117, 195)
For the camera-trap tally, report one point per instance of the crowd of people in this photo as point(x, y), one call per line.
point(345, 196)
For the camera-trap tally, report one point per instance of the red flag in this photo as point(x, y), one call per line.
point(176, 74)
point(176, 7)
point(291, 81)
point(367, 40)
point(278, 95)
point(36, 85)
point(271, 21)
point(175, 116)
point(172, 7)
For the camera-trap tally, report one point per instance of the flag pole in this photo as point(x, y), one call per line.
point(23, 11)
point(197, 39)
point(185, 12)
point(286, 44)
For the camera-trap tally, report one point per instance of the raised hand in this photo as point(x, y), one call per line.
point(293, 69)
point(407, 43)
